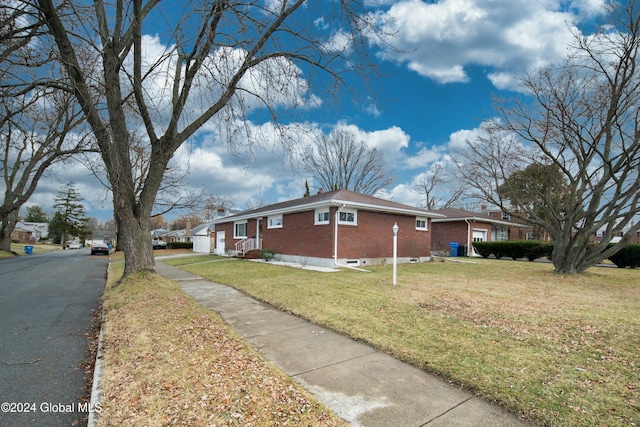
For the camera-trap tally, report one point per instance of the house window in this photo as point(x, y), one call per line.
point(421, 223)
point(529, 235)
point(274, 221)
point(321, 216)
point(347, 216)
point(501, 234)
point(506, 216)
point(240, 230)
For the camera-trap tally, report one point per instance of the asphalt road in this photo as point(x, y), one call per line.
point(46, 305)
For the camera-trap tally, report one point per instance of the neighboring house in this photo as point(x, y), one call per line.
point(40, 230)
point(175, 236)
point(338, 228)
point(464, 227)
point(528, 232)
point(30, 231)
point(158, 232)
point(23, 233)
point(598, 235)
point(201, 237)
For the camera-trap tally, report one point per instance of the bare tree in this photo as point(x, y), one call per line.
point(224, 58)
point(438, 188)
point(340, 161)
point(39, 124)
point(581, 122)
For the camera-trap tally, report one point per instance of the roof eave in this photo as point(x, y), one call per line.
point(329, 203)
point(480, 219)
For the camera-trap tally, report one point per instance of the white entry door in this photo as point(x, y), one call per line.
point(219, 242)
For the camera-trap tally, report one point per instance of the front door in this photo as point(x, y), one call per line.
point(220, 243)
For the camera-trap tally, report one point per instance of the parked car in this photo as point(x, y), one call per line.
point(99, 248)
point(74, 245)
point(159, 244)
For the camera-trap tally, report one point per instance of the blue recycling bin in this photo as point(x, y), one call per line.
point(454, 248)
point(28, 250)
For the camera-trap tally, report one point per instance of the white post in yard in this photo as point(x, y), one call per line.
point(395, 252)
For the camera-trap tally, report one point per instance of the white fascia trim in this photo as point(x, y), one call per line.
point(331, 203)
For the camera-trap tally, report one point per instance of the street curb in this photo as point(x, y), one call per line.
point(96, 388)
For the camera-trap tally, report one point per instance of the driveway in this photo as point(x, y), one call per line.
point(46, 307)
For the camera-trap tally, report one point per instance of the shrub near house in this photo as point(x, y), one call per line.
point(629, 256)
point(514, 249)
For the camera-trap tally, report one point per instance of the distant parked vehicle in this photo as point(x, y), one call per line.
point(99, 248)
point(74, 245)
point(159, 244)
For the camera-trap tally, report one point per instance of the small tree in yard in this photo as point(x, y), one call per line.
point(567, 157)
point(219, 59)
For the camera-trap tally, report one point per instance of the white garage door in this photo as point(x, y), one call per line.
point(479, 235)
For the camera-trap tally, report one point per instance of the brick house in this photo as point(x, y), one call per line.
point(465, 227)
point(330, 229)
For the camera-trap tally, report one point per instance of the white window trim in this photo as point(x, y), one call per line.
point(355, 217)
point(316, 221)
point(426, 223)
point(235, 228)
point(272, 218)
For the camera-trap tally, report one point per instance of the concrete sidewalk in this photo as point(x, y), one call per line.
point(358, 383)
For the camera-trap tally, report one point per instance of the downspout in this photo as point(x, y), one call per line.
point(468, 236)
point(258, 239)
point(335, 245)
point(335, 237)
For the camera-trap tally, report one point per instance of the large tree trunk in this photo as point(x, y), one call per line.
point(134, 238)
point(7, 226)
point(574, 255)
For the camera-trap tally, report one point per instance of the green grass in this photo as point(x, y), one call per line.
point(558, 350)
point(170, 362)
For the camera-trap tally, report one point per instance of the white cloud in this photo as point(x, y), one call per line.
point(459, 139)
point(439, 39)
point(389, 142)
point(402, 193)
point(424, 157)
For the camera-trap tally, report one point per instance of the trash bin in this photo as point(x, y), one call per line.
point(454, 248)
point(462, 250)
point(28, 250)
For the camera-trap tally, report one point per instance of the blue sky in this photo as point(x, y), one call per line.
point(453, 55)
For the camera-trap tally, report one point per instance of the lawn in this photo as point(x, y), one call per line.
point(170, 362)
point(18, 248)
point(557, 350)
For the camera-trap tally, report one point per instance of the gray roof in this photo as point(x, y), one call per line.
point(348, 198)
point(453, 214)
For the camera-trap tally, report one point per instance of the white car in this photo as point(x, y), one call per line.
point(74, 245)
point(159, 244)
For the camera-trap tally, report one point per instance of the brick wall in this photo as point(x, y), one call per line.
point(445, 232)
point(299, 235)
point(371, 238)
point(460, 232)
